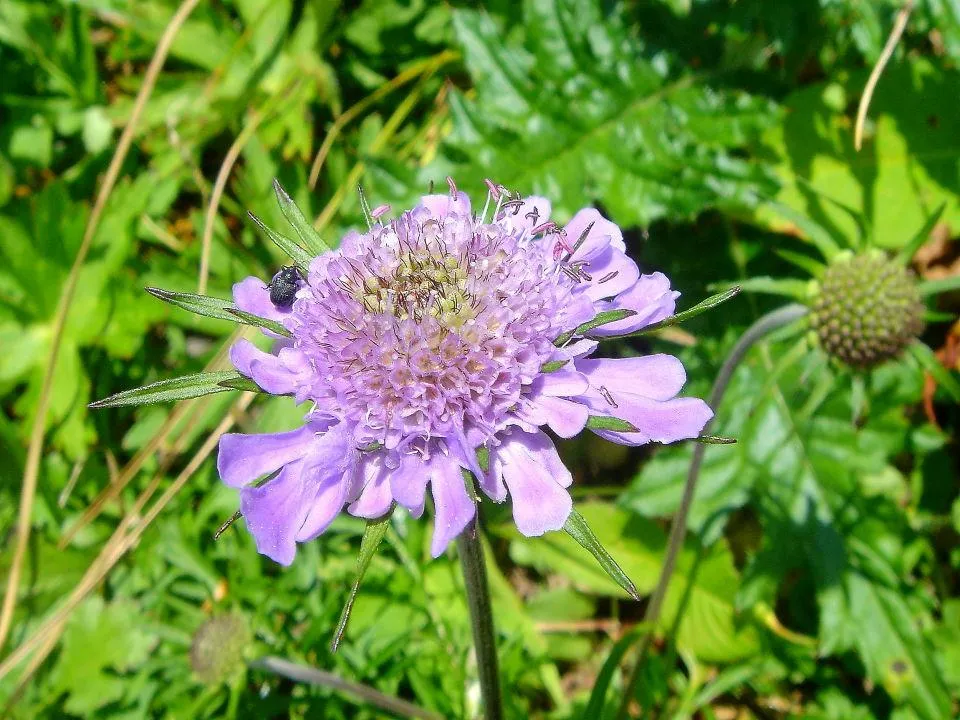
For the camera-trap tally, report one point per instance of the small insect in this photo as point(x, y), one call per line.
point(284, 286)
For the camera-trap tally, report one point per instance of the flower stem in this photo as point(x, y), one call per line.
point(768, 323)
point(481, 619)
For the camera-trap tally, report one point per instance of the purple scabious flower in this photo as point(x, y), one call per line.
point(432, 338)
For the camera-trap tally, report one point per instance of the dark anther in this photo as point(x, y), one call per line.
point(228, 523)
point(607, 396)
point(609, 276)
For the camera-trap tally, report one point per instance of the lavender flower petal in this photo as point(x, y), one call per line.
point(454, 508)
point(280, 374)
point(274, 513)
point(245, 458)
point(650, 298)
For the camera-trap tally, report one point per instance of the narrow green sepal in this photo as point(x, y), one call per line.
point(698, 309)
point(804, 262)
point(935, 287)
point(257, 321)
point(241, 383)
point(923, 234)
point(553, 366)
point(577, 528)
point(175, 389)
point(929, 362)
point(300, 257)
point(605, 422)
point(372, 536)
point(715, 440)
point(197, 304)
point(786, 287)
point(308, 235)
point(604, 318)
point(815, 233)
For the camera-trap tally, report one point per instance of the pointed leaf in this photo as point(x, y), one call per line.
point(257, 321)
point(698, 309)
point(181, 388)
point(372, 536)
point(804, 262)
point(309, 237)
point(604, 318)
point(296, 253)
point(787, 287)
point(241, 383)
point(605, 422)
point(598, 696)
point(715, 440)
point(199, 304)
point(935, 287)
point(929, 362)
point(812, 231)
point(923, 234)
point(577, 527)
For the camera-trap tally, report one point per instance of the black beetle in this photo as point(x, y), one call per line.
point(284, 286)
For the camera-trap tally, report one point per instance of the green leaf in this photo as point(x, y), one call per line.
point(715, 440)
point(175, 389)
point(708, 625)
point(812, 231)
point(907, 166)
point(605, 422)
point(935, 287)
point(101, 642)
point(198, 304)
point(310, 238)
point(810, 265)
point(216, 308)
point(698, 309)
point(604, 318)
point(300, 257)
point(257, 321)
point(629, 131)
point(929, 362)
point(786, 287)
point(598, 695)
point(905, 256)
point(372, 536)
point(553, 366)
point(578, 528)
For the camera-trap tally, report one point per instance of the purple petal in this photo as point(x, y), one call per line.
point(274, 513)
point(375, 498)
point(530, 467)
point(603, 234)
point(660, 421)
point(657, 377)
point(253, 296)
point(454, 508)
point(611, 273)
point(408, 484)
point(650, 298)
point(329, 474)
point(566, 418)
point(534, 211)
point(281, 374)
point(561, 383)
point(244, 458)
point(442, 205)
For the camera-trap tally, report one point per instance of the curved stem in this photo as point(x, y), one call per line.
point(470, 550)
point(761, 328)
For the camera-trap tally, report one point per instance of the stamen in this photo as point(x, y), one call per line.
point(453, 186)
point(492, 187)
point(609, 276)
point(380, 210)
point(607, 396)
point(227, 524)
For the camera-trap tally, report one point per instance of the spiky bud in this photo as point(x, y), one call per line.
point(867, 309)
point(218, 646)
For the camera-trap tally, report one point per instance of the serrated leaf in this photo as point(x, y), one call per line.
point(372, 536)
point(578, 528)
point(628, 131)
point(173, 390)
point(300, 257)
point(698, 309)
point(309, 237)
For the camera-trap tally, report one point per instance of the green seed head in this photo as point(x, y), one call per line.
point(218, 646)
point(867, 310)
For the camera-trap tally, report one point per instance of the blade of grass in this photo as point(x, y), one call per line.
point(32, 467)
point(271, 106)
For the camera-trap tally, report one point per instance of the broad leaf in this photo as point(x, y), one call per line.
point(629, 130)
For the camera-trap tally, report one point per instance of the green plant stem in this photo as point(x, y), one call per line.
point(307, 674)
point(470, 550)
point(767, 324)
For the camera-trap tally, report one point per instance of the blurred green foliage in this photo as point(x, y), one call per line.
point(820, 575)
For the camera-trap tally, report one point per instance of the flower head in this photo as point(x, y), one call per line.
point(867, 309)
point(434, 336)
